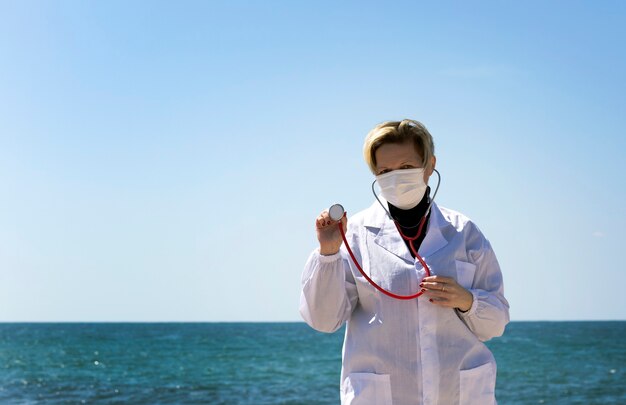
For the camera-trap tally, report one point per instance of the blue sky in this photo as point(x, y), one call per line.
point(165, 161)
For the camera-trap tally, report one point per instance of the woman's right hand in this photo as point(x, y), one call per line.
point(328, 233)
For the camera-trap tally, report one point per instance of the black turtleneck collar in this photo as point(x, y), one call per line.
point(409, 219)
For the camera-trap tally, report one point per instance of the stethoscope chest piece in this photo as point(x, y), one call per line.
point(336, 212)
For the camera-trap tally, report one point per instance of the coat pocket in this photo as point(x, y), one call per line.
point(478, 385)
point(366, 389)
point(465, 273)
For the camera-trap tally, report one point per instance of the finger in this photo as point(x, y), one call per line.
point(324, 218)
point(448, 289)
point(439, 279)
point(445, 299)
point(443, 295)
point(321, 222)
point(442, 302)
point(436, 286)
point(327, 220)
point(439, 293)
point(453, 296)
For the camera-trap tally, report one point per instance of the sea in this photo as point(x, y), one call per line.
point(278, 363)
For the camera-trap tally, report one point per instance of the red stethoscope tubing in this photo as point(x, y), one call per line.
point(417, 256)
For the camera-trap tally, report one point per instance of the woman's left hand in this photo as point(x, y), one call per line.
point(446, 292)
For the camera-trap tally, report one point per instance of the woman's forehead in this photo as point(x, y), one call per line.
point(397, 151)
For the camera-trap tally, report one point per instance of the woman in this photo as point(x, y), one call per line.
point(426, 350)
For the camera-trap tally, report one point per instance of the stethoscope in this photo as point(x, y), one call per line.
point(336, 213)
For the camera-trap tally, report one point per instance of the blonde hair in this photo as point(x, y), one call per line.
point(399, 132)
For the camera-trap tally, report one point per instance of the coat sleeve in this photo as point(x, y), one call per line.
point(489, 313)
point(329, 292)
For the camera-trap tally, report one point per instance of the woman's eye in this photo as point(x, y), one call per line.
point(403, 167)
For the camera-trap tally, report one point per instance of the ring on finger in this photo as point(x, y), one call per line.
point(443, 289)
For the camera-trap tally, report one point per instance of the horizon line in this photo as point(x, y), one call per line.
point(269, 322)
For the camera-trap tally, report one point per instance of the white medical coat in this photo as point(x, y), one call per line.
point(409, 351)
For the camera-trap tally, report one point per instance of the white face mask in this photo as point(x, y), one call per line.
point(403, 188)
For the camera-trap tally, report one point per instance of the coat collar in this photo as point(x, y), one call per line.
point(388, 237)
